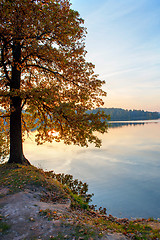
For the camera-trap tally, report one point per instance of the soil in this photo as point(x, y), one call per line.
point(29, 219)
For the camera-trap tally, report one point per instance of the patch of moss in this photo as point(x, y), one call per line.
point(18, 177)
point(3, 225)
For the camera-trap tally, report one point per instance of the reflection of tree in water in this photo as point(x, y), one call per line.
point(121, 124)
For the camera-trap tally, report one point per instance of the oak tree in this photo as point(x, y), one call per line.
point(46, 83)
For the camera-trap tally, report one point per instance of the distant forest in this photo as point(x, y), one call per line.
point(119, 114)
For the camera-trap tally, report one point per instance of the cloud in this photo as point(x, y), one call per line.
point(123, 42)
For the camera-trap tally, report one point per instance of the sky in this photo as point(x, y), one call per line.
point(123, 42)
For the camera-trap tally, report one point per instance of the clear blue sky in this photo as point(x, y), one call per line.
point(123, 41)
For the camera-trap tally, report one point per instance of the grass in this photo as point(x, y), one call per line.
point(18, 177)
point(78, 232)
point(136, 229)
point(3, 225)
point(50, 215)
point(75, 189)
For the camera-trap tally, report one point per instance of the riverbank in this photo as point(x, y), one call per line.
point(34, 205)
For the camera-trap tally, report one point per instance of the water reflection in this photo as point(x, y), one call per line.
point(113, 124)
point(123, 174)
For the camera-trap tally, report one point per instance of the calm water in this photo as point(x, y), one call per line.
point(124, 174)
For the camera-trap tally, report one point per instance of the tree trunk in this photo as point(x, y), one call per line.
point(16, 150)
point(16, 153)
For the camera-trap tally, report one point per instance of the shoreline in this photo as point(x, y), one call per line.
point(34, 204)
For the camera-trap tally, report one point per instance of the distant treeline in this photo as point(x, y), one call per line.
point(119, 114)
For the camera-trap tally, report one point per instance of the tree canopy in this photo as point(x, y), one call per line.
point(46, 83)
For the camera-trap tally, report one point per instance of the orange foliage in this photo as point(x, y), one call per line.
point(57, 85)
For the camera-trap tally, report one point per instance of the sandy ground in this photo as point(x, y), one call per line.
point(22, 211)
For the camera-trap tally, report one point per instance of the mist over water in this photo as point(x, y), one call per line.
point(124, 174)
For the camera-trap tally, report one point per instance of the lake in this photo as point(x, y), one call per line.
point(124, 174)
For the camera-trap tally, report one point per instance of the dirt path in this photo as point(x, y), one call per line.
point(29, 218)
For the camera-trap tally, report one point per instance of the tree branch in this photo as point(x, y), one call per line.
point(44, 68)
point(51, 71)
point(4, 116)
point(4, 65)
point(25, 126)
point(24, 103)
